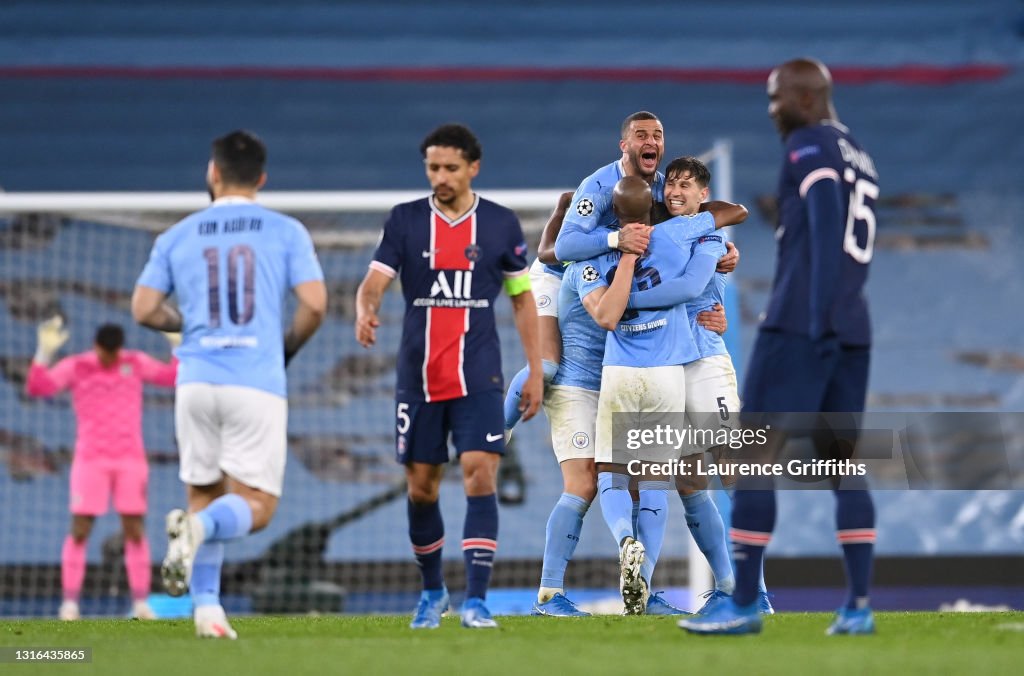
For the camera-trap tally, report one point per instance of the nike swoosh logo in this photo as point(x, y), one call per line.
point(428, 254)
point(493, 437)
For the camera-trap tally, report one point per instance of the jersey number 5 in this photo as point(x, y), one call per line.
point(241, 262)
point(860, 210)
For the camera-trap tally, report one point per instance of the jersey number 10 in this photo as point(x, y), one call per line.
point(241, 262)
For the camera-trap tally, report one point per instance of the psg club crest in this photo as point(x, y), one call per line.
point(473, 253)
point(590, 274)
point(584, 207)
point(580, 440)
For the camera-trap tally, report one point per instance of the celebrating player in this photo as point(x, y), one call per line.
point(453, 252)
point(230, 266)
point(711, 391)
point(813, 347)
point(106, 391)
point(643, 363)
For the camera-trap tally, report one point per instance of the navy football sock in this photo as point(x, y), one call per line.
point(855, 530)
point(753, 519)
point(479, 543)
point(426, 532)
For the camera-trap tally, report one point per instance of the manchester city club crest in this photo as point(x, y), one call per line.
point(584, 207)
point(580, 440)
point(590, 274)
point(473, 253)
point(543, 301)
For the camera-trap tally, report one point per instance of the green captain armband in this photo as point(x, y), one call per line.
point(517, 285)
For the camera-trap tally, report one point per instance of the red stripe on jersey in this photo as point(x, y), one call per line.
point(443, 376)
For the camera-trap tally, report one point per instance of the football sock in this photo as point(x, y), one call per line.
point(616, 504)
point(708, 531)
point(725, 509)
point(753, 519)
point(479, 543)
point(855, 530)
point(72, 568)
point(561, 536)
point(651, 522)
point(515, 391)
point(226, 518)
point(205, 584)
point(426, 533)
point(138, 566)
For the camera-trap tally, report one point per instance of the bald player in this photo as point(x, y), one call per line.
point(644, 353)
point(813, 348)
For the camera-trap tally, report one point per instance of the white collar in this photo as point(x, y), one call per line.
point(232, 199)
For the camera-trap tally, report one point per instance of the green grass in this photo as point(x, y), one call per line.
point(906, 643)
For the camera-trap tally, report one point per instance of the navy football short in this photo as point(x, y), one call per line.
point(475, 422)
point(786, 374)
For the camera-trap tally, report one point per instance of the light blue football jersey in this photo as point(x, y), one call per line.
point(657, 336)
point(231, 266)
point(582, 339)
point(584, 232)
point(708, 342)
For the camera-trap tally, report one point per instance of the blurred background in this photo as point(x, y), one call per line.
point(105, 96)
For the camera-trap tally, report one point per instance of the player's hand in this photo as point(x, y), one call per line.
point(714, 319)
point(366, 329)
point(173, 339)
point(634, 238)
point(50, 336)
point(727, 263)
point(532, 394)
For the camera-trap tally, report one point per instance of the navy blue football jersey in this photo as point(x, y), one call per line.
point(824, 152)
point(451, 273)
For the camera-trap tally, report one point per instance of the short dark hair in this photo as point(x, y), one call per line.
point(639, 115)
point(691, 165)
point(240, 156)
point(456, 136)
point(110, 337)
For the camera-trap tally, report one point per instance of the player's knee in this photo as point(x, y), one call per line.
point(424, 495)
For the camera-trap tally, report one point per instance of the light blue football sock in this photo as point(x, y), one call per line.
point(561, 537)
point(205, 583)
point(651, 522)
point(616, 504)
point(226, 518)
point(708, 531)
point(515, 391)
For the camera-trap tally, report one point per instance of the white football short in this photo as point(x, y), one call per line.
point(238, 431)
point(545, 288)
point(712, 398)
point(627, 390)
point(572, 413)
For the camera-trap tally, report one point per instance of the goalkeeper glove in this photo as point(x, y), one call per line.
point(50, 335)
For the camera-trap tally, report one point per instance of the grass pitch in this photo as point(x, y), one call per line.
point(906, 643)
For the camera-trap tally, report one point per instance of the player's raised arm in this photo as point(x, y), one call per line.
point(690, 284)
point(156, 372)
point(43, 381)
point(546, 248)
point(725, 213)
